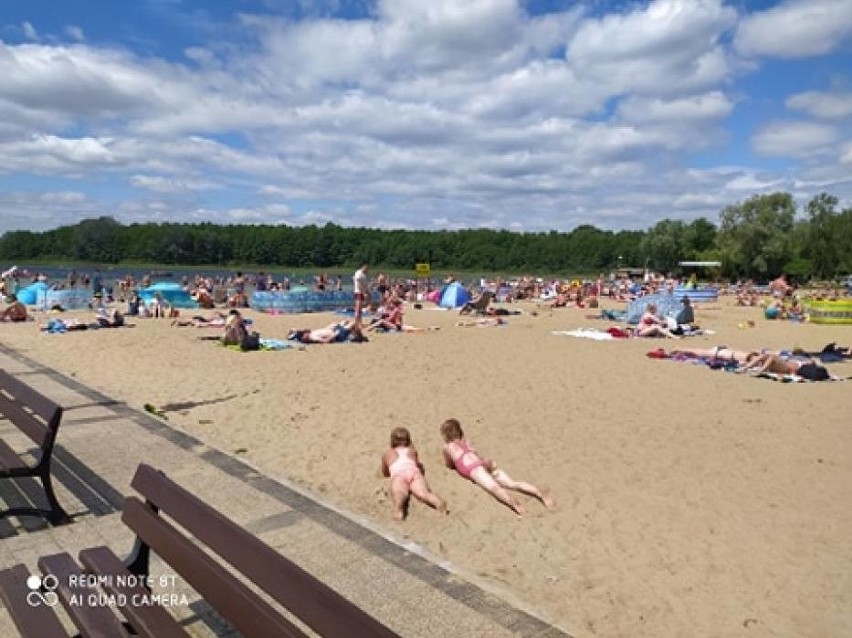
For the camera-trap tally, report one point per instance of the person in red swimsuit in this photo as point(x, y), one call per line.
point(651, 325)
point(460, 455)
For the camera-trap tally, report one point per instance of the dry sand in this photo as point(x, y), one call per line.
point(691, 502)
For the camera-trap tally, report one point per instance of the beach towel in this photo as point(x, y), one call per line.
point(586, 333)
point(793, 378)
point(274, 344)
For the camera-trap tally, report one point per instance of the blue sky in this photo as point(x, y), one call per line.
point(528, 115)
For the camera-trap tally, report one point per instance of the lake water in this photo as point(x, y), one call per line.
point(110, 276)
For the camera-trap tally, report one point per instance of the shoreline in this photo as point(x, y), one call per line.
point(683, 494)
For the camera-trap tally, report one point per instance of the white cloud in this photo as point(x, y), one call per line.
point(796, 29)
point(794, 139)
point(272, 191)
point(29, 30)
point(822, 105)
point(63, 197)
point(846, 154)
point(669, 47)
point(714, 105)
point(51, 154)
point(159, 184)
point(751, 183)
point(75, 33)
point(272, 214)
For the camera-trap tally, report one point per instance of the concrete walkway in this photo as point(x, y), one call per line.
point(101, 442)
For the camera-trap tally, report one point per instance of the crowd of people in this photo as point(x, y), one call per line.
point(388, 313)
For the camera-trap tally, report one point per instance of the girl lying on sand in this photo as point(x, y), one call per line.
point(402, 465)
point(460, 455)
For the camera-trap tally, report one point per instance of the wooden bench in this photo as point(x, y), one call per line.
point(37, 417)
point(302, 595)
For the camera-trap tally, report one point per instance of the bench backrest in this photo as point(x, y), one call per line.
point(33, 413)
point(313, 602)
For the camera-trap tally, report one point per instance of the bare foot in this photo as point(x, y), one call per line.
point(398, 515)
point(442, 508)
point(548, 501)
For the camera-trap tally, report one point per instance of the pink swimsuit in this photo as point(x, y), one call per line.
point(465, 468)
point(404, 466)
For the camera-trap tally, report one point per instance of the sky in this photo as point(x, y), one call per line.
point(526, 115)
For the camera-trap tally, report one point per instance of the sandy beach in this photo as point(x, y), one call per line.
point(690, 502)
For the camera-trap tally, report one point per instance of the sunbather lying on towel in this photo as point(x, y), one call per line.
point(803, 367)
point(483, 321)
point(217, 319)
point(720, 352)
point(111, 318)
point(333, 333)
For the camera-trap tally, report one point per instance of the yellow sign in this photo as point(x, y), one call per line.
point(423, 270)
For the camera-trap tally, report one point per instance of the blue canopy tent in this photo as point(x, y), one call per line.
point(454, 295)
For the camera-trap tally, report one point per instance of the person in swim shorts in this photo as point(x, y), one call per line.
point(460, 455)
point(361, 289)
point(401, 464)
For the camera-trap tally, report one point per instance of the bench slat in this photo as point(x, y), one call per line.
point(32, 621)
point(312, 601)
point(23, 420)
point(149, 621)
point(94, 621)
point(29, 396)
point(239, 605)
point(10, 462)
point(24, 395)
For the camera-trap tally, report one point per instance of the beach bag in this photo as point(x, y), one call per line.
point(250, 342)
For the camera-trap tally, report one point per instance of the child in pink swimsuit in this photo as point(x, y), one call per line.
point(401, 464)
point(460, 455)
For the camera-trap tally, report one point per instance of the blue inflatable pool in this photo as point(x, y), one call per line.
point(697, 295)
point(70, 299)
point(173, 294)
point(295, 302)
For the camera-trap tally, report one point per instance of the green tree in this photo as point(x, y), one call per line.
point(699, 236)
point(99, 240)
point(663, 245)
point(841, 232)
point(754, 236)
point(820, 246)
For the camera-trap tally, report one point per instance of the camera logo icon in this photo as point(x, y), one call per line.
point(42, 590)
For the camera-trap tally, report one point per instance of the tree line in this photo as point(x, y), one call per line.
point(758, 238)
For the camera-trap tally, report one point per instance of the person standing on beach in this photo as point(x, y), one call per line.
point(361, 288)
point(97, 283)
